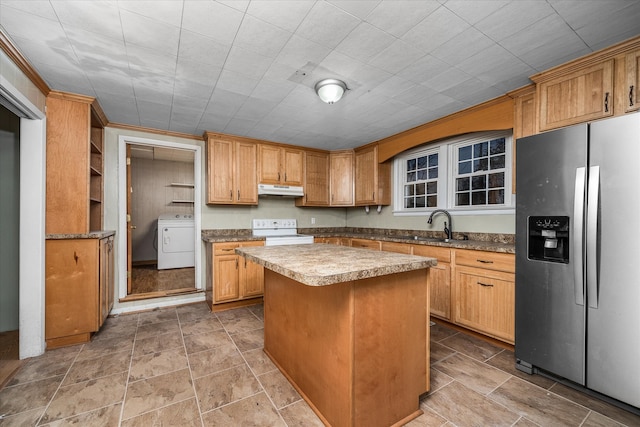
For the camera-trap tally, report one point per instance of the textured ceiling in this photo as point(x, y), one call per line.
point(248, 67)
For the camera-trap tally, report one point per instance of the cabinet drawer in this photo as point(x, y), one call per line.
point(252, 243)
point(364, 243)
point(486, 260)
point(441, 254)
point(401, 248)
point(225, 248)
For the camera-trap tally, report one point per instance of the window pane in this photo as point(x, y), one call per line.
point(422, 162)
point(496, 180)
point(497, 146)
point(408, 203)
point(480, 165)
point(462, 184)
point(420, 202)
point(433, 173)
point(464, 167)
point(462, 199)
point(480, 150)
point(464, 153)
point(420, 188)
point(496, 197)
point(432, 201)
point(478, 198)
point(497, 162)
point(432, 187)
point(411, 176)
point(408, 190)
point(411, 164)
point(423, 174)
point(478, 182)
point(433, 160)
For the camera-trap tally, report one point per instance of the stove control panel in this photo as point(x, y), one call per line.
point(266, 224)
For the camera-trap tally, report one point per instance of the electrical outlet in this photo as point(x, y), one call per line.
point(313, 221)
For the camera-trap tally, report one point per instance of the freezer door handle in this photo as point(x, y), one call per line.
point(593, 203)
point(578, 223)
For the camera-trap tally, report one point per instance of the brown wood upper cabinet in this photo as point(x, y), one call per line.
point(632, 101)
point(583, 95)
point(316, 180)
point(280, 165)
point(74, 164)
point(231, 172)
point(341, 181)
point(372, 179)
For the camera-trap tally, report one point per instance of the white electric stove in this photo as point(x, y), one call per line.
point(280, 232)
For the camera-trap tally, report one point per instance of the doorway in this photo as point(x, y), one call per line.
point(162, 181)
point(9, 243)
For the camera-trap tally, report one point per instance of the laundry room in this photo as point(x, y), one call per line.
point(161, 209)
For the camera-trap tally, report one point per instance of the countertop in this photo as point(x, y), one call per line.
point(90, 235)
point(476, 241)
point(323, 264)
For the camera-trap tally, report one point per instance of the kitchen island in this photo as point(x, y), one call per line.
point(348, 328)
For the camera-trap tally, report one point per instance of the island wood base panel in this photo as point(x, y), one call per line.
point(356, 351)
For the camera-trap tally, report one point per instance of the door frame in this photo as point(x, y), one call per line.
point(123, 141)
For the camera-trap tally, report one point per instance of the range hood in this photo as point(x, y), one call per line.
point(280, 190)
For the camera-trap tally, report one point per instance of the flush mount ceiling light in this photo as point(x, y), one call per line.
point(330, 90)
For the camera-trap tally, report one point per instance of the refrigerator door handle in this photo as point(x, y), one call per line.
point(578, 223)
point(593, 204)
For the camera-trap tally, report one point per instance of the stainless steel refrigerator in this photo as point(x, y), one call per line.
point(578, 255)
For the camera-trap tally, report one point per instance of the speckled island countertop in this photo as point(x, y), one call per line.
point(322, 264)
point(90, 235)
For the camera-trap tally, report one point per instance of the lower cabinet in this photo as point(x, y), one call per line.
point(439, 279)
point(484, 293)
point(79, 290)
point(231, 277)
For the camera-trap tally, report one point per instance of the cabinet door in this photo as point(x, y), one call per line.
point(220, 183)
point(633, 81)
point(316, 181)
point(246, 173)
point(71, 294)
point(366, 176)
point(269, 161)
point(251, 275)
point(485, 302)
point(341, 182)
point(226, 285)
point(106, 278)
point(292, 166)
point(577, 97)
point(440, 291)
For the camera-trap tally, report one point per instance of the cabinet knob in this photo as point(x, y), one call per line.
point(631, 96)
point(484, 261)
point(606, 102)
point(486, 285)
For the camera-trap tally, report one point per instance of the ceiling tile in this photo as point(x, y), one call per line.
point(236, 83)
point(358, 8)
point(395, 57)
point(240, 5)
point(299, 51)
point(212, 19)
point(286, 14)
point(150, 34)
point(261, 37)
point(423, 69)
point(272, 90)
point(93, 16)
point(247, 62)
point(364, 42)
point(437, 28)
point(23, 25)
point(513, 18)
point(399, 16)
point(196, 47)
point(167, 11)
point(474, 11)
point(462, 46)
point(154, 111)
point(327, 25)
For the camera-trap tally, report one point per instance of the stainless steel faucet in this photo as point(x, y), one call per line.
point(447, 230)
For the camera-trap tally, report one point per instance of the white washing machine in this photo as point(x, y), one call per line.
point(176, 241)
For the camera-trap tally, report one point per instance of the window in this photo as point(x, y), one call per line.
point(421, 181)
point(470, 173)
point(480, 170)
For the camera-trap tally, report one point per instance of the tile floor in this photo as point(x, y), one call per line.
point(185, 366)
point(147, 278)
